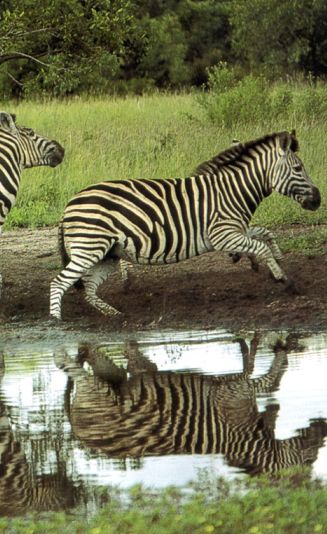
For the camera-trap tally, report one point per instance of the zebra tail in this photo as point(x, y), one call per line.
point(63, 253)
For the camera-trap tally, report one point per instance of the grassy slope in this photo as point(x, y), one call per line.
point(152, 136)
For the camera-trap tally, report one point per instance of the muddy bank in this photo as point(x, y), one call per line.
point(205, 292)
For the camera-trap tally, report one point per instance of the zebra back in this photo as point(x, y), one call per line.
point(238, 149)
point(214, 164)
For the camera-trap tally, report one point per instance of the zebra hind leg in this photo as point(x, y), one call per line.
point(68, 276)
point(236, 256)
point(92, 279)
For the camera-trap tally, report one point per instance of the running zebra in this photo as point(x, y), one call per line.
point(20, 148)
point(141, 411)
point(169, 220)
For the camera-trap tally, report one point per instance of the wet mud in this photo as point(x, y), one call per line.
point(206, 292)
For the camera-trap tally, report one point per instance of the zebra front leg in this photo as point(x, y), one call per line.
point(262, 234)
point(92, 279)
point(233, 237)
point(124, 270)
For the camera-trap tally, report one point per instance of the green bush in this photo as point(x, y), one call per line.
point(281, 101)
point(232, 100)
point(311, 103)
point(221, 78)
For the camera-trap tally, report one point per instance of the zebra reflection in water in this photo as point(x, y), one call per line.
point(148, 412)
point(23, 489)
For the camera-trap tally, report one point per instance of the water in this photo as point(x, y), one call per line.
point(155, 408)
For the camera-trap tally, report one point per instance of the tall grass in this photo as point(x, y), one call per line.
point(164, 135)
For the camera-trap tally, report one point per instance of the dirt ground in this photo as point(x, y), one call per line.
point(206, 292)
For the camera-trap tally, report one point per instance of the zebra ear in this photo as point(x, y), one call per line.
point(285, 141)
point(7, 123)
point(295, 143)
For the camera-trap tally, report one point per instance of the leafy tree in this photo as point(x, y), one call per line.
point(57, 45)
point(164, 56)
point(182, 39)
point(280, 36)
point(314, 59)
point(207, 29)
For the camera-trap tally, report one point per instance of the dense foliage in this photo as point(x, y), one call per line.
point(57, 47)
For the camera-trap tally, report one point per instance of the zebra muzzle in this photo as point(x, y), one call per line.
point(312, 202)
point(56, 155)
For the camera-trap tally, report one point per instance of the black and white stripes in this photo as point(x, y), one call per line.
point(169, 220)
point(142, 411)
point(21, 148)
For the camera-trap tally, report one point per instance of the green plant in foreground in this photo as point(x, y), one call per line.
point(288, 503)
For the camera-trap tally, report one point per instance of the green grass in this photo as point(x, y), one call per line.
point(290, 504)
point(163, 135)
point(312, 243)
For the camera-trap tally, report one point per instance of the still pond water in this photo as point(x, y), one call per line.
point(155, 408)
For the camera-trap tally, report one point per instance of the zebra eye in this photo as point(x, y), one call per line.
point(297, 168)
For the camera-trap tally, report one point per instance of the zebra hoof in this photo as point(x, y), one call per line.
point(53, 320)
point(254, 265)
point(235, 256)
point(290, 287)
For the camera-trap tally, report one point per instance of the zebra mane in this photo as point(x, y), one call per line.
point(237, 150)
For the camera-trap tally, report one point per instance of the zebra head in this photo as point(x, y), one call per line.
point(289, 175)
point(33, 150)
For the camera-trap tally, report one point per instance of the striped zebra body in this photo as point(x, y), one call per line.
point(169, 220)
point(21, 148)
point(151, 413)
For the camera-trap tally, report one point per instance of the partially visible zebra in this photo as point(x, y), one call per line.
point(145, 412)
point(21, 148)
point(169, 220)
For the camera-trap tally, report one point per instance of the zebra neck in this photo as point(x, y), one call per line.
point(239, 194)
point(9, 183)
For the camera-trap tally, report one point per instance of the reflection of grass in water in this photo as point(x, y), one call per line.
point(18, 361)
point(287, 503)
